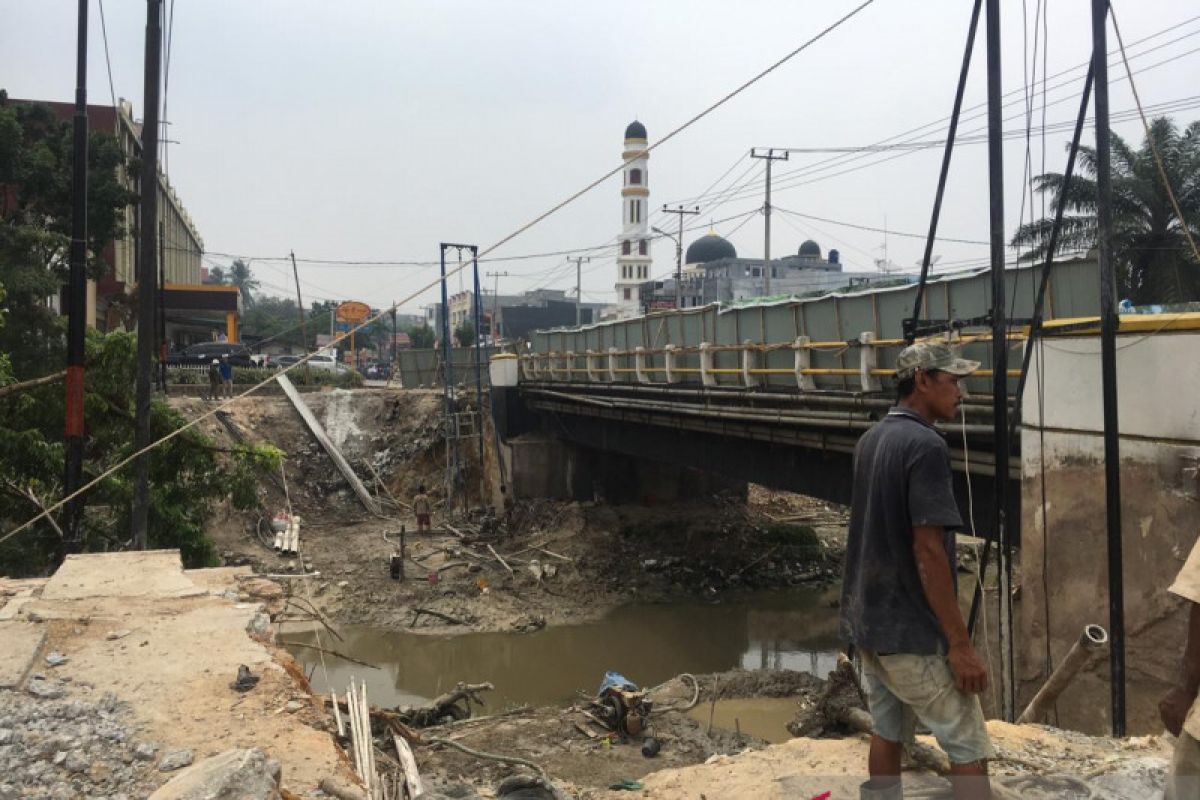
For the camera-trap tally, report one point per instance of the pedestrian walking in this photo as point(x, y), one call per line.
point(421, 508)
point(1180, 708)
point(214, 380)
point(899, 603)
point(226, 376)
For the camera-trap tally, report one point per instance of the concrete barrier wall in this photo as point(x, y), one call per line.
point(423, 368)
point(835, 318)
point(1063, 562)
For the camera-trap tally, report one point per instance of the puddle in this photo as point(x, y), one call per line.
point(764, 717)
point(649, 644)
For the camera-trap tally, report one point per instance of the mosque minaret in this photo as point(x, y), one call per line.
point(633, 253)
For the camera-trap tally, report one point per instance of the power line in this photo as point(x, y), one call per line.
point(112, 92)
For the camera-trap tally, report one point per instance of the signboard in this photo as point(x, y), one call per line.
point(353, 312)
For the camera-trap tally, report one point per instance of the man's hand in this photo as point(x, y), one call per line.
point(1173, 708)
point(970, 673)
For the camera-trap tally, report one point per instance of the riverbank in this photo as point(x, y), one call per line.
point(539, 563)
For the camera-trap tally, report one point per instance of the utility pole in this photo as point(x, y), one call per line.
point(997, 242)
point(393, 339)
point(162, 308)
point(496, 304)
point(148, 212)
point(300, 307)
point(770, 156)
point(681, 212)
point(579, 260)
point(1108, 368)
point(77, 300)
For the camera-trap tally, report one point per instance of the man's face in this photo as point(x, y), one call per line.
point(940, 392)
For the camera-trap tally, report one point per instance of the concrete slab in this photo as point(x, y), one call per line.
point(19, 646)
point(153, 573)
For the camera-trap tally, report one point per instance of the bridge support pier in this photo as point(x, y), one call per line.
point(547, 467)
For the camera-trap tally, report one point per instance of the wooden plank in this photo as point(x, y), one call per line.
point(318, 431)
point(412, 778)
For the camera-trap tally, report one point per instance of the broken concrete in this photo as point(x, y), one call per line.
point(183, 641)
point(248, 774)
point(22, 641)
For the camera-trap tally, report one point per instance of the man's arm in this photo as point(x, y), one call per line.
point(970, 673)
point(1174, 707)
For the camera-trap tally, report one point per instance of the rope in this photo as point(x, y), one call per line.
point(505, 240)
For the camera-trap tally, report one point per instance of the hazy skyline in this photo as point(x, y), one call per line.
point(372, 131)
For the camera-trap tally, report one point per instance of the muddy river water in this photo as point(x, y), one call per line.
point(648, 643)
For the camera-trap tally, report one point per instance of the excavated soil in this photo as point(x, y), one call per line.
point(542, 563)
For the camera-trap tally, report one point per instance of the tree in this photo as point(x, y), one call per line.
point(188, 476)
point(464, 335)
point(421, 336)
point(1154, 261)
point(217, 275)
point(35, 226)
point(240, 276)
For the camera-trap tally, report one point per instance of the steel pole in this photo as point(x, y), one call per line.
point(964, 71)
point(478, 359)
point(767, 231)
point(77, 301)
point(679, 266)
point(147, 273)
point(1108, 368)
point(999, 350)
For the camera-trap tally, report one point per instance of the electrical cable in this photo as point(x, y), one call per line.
point(112, 92)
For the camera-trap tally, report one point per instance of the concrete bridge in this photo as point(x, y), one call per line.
point(775, 392)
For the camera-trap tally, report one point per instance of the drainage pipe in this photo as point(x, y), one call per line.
point(1091, 640)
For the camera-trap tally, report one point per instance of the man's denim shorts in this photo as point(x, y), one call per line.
point(903, 689)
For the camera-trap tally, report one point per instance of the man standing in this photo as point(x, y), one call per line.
point(421, 508)
point(899, 604)
point(214, 380)
point(1180, 709)
point(226, 376)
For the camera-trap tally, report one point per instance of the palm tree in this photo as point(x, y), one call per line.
point(1154, 260)
point(239, 276)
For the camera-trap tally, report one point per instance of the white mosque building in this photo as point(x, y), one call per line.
point(633, 253)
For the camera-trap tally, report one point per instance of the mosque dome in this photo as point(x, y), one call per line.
point(635, 130)
point(810, 249)
point(710, 247)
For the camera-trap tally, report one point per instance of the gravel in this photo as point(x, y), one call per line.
point(70, 743)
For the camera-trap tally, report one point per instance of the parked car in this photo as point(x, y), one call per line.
point(322, 361)
point(205, 352)
point(379, 370)
point(282, 362)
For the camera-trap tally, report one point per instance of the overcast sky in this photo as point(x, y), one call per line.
point(370, 131)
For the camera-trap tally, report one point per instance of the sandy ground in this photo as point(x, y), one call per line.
point(169, 642)
point(1032, 762)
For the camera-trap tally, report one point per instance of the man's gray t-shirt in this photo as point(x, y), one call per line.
point(901, 480)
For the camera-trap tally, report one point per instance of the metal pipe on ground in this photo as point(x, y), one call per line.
point(1092, 639)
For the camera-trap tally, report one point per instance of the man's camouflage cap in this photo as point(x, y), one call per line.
point(930, 356)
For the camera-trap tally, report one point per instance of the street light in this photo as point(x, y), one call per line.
point(678, 261)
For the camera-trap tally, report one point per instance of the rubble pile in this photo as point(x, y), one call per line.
point(63, 744)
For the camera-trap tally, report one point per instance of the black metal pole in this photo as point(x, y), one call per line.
point(1035, 326)
point(393, 366)
point(148, 211)
point(1108, 369)
point(999, 349)
point(162, 309)
point(479, 357)
point(77, 301)
point(447, 382)
point(964, 70)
